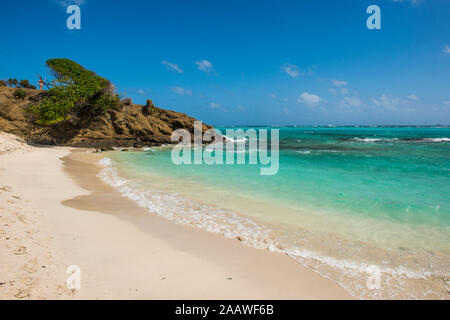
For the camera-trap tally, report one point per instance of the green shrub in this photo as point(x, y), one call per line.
point(103, 103)
point(75, 90)
point(19, 94)
point(3, 83)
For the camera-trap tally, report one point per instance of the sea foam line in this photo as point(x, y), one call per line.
point(431, 140)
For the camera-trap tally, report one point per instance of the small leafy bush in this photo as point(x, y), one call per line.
point(3, 83)
point(127, 101)
point(19, 94)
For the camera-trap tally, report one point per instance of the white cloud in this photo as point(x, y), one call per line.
point(310, 100)
point(387, 102)
point(141, 92)
point(446, 103)
point(172, 66)
point(350, 102)
point(335, 91)
point(413, 97)
point(392, 103)
point(240, 108)
point(272, 95)
point(182, 91)
point(204, 65)
point(292, 70)
point(339, 83)
point(214, 105)
point(446, 49)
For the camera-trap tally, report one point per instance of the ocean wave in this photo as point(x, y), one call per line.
point(420, 140)
point(374, 139)
point(360, 267)
point(303, 151)
point(435, 139)
point(234, 140)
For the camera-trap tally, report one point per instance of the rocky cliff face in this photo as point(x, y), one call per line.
point(127, 126)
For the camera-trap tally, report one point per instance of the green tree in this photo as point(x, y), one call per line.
point(3, 83)
point(74, 90)
point(12, 82)
point(26, 84)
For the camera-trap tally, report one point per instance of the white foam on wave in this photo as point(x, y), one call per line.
point(234, 140)
point(432, 140)
point(360, 267)
point(373, 139)
point(436, 139)
point(106, 162)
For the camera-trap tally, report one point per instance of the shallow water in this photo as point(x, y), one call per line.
point(344, 199)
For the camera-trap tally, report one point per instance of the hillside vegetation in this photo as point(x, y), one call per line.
point(81, 109)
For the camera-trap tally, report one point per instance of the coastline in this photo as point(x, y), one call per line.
point(125, 252)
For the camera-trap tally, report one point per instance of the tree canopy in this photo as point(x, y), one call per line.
point(75, 90)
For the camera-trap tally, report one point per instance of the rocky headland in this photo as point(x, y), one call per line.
point(126, 125)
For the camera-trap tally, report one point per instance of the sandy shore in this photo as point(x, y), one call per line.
point(55, 212)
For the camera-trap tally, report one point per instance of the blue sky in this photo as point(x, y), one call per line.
point(254, 62)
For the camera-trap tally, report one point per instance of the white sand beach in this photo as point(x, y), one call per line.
point(55, 212)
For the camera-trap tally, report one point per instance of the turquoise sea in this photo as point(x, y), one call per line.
point(345, 199)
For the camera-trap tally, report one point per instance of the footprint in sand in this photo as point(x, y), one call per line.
point(6, 188)
point(21, 217)
point(30, 282)
point(31, 266)
point(22, 293)
point(21, 250)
